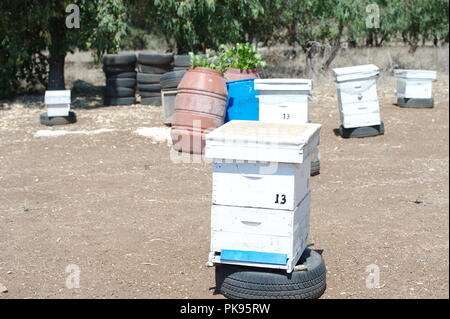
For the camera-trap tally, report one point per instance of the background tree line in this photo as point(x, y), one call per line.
point(34, 39)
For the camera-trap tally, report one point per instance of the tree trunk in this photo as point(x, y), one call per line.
point(56, 73)
point(57, 56)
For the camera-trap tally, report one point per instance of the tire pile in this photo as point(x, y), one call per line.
point(120, 76)
point(151, 67)
point(181, 62)
point(170, 80)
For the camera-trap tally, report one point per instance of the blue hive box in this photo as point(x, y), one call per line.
point(242, 103)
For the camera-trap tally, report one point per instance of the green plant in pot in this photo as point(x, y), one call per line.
point(241, 61)
point(207, 60)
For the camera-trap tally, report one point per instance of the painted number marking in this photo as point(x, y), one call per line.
point(282, 197)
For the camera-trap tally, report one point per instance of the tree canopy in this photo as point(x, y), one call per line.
point(35, 40)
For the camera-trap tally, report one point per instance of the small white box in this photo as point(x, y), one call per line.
point(415, 84)
point(260, 230)
point(282, 100)
point(357, 95)
point(57, 102)
point(263, 142)
point(274, 185)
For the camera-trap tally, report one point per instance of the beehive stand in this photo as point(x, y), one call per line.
point(261, 192)
point(414, 88)
point(359, 108)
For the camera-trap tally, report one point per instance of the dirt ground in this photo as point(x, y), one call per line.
point(137, 225)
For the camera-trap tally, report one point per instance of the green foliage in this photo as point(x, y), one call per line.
point(241, 56)
point(207, 60)
point(195, 25)
point(422, 20)
point(29, 28)
point(32, 32)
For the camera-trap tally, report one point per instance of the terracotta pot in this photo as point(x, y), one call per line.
point(233, 74)
point(200, 107)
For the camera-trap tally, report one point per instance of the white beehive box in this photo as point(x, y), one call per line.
point(357, 95)
point(261, 193)
point(283, 100)
point(274, 185)
point(259, 237)
point(414, 84)
point(57, 102)
point(262, 142)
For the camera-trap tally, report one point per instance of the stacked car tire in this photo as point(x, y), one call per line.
point(170, 80)
point(120, 76)
point(151, 67)
point(181, 62)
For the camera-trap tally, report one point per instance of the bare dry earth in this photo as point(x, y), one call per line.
point(137, 225)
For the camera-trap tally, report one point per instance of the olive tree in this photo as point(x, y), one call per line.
point(35, 27)
point(197, 25)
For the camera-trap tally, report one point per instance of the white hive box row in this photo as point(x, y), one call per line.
point(261, 193)
point(357, 95)
point(57, 102)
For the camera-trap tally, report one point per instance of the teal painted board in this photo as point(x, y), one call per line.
point(253, 256)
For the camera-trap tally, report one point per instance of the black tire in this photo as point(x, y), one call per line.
point(315, 168)
point(361, 132)
point(153, 69)
point(121, 75)
point(146, 94)
point(151, 101)
point(121, 82)
point(119, 91)
point(241, 282)
point(182, 60)
point(119, 100)
point(119, 59)
point(149, 87)
point(57, 120)
point(171, 79)
point(148, 78)
point(155, 59)
point(118, 68)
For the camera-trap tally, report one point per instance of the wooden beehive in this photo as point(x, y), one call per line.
point(357, 95)
point(282, 100)
point(57, 102)
point(415, 87)
point(261, 192)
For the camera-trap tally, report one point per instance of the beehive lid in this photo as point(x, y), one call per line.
point(356, 72)
point(262, 141)
point(415, 74)
point(283, 84)
point(57, 97)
